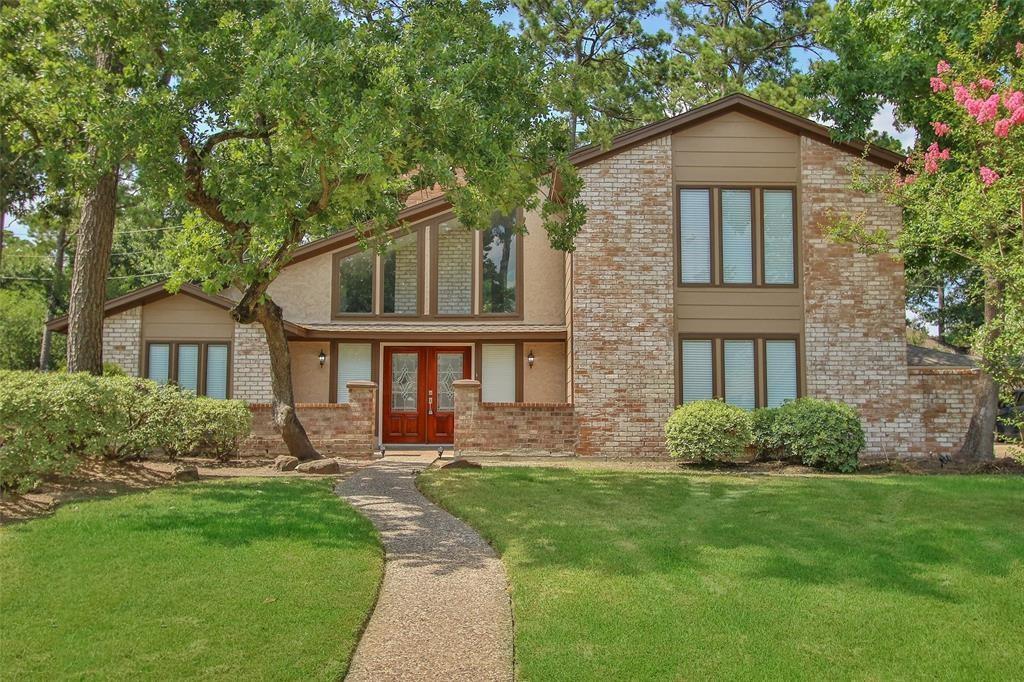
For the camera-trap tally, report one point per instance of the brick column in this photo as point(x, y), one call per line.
point(251, 365)
point(122, 340)
point(362, 399)
point(467, 405)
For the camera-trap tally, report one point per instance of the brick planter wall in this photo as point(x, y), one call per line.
point(336, 430)
point(529, 429)
point(943, 398)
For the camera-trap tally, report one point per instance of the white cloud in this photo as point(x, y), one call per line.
point(884, 121)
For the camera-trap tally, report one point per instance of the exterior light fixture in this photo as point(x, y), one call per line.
point(530, 359)
point(322, 358)
point(440, 451)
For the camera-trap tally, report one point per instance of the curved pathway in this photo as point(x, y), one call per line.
point(443, 611)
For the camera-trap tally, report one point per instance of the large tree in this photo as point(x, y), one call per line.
point(80, 79)
point(603, 66)
point(294, 120)
point(749, 46)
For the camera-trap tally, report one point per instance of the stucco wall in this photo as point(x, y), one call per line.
point(545, 381)
point(543, 290)
point(310, 381)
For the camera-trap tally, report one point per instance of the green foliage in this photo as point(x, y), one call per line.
point(762, 429)
point(822, 433)
point(708, 430)
point(22, 314)
point(725, 46)
point(49, 421)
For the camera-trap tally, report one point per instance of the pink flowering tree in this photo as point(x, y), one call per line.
point(963, 198)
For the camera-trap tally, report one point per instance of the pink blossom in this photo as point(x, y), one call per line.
point(986, 84)
point(960, 93)
point(1013, 100)
point(1017, 118)
point(941, 129)
point(1002, 128)
point(983, 110)
point(910, 179)
point(942, 67)
point(938, 85)
point(932, 157)
point(988, 176)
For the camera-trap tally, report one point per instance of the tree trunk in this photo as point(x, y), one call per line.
point(89, 277)
point(52, 299)
point(980, 440)
point(286, 420)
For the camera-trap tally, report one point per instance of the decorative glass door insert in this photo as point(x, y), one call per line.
point(404, 382)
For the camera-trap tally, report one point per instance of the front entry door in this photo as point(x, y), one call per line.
point(418, 396)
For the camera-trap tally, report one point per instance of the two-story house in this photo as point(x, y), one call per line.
point(702, 272)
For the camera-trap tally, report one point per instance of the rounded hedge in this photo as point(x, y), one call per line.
point(822, 433)
point(708, 430)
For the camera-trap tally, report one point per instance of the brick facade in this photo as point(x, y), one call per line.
point(854, 340)
point(250, 368)
point(336, 430)
point(622, 304)
point(521, 429)
point(122, 340)
point(455, 249)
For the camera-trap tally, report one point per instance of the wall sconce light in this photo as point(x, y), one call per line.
point(530, 359)
point(322, 358)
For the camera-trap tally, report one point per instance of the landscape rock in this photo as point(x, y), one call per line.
point(320, 466)
point(285, 463)
point(185, 472)
point(460, 464)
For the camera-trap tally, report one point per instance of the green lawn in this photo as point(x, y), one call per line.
point(247, 579)
point(624, 575)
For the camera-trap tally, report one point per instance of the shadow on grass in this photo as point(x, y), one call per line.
point(888, 533)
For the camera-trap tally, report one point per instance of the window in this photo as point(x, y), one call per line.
point(746, 372)
point(355, 283)
point(778, 237)
point(737, 236)
point(400, 266)
point(454, 269)
point(354, 364)
point(200, 367)
point(698, 370)
point(780, 371)
point(498, 373)
point(740, 383)
point(500, 260)
point(695, 235)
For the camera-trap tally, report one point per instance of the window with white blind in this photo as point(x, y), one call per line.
point(781, 371)
point(778, 234)
point(695, 236)
point(746, 372)
point(355, 363)
point(498, 373)
point(698, 370)
point(200, 367)
point(737, 237)
point(739, 371)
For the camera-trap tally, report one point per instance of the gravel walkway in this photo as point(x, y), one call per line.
point(444, 610)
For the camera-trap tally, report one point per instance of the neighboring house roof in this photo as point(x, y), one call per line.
point(919, 356)
point(155, 292)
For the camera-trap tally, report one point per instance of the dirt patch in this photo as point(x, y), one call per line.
point(102, 478)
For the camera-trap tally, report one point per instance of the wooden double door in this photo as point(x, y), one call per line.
point(418, 395)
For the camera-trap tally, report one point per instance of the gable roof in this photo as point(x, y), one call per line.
point(155, 292)
point(744, 104)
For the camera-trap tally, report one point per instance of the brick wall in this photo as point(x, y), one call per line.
point(122, 339)
point(455, 271)
point(406, 276)
point(622, 304)
point(854, 309)
point(336, 430)
point(524, 429)
point(250, 369)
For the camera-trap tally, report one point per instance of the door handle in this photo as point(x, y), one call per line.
point(430, 402)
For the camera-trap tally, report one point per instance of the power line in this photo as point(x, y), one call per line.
point(47, 279)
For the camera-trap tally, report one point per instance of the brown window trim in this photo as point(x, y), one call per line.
point(336, 284)
point(332, 379)
point(478, 283)
point(757, 240)
point(172, 364)
point(760, 363)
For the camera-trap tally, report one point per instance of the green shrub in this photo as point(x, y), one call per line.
point(48, 421)
point(112, 369)
point(822, 433)
point(762, 422)
point(708, 430)
point(212, 428)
